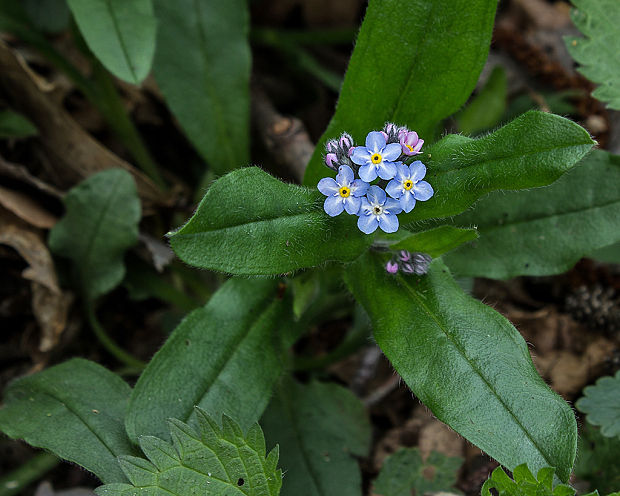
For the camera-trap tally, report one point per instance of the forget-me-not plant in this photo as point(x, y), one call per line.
point(378, 210)
point(407, 186)
point(377, 157)
point(343, 193)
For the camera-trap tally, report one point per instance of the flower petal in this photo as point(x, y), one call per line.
point(394, 188)
point(328, 186)
point(393, 206)
point(388, 223)
point(359, 188)
point(360, 155)
point(386, 170)
point(376, 195)
point(418, 171)
point(422, 191)
point(407, 202)
point(368, 172)
point(411, 138)
point(333, 206)
point(352, 205)
point(402, 172)
point(391, 152)
point(367, 223)
point(345, 175)
point(375, 141)
point(366, 207)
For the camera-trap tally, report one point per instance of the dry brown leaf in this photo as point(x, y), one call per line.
point(26, 208)
point(51, 310)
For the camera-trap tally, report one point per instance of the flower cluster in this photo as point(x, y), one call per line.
point(386, 156)
point(409, 263)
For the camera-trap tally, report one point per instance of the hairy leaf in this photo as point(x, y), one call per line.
point(430, 52)
point(599, 22)
point(435, 241)
point(320, 428)
point(14, 125)
point(224, 357)
point(74, 410)
point(546, 230)
point(524, 483)
point(209, 460)
point(202, 65)
point(251, 223)
point(601, 404)
point(464, 360)
point(120, 33)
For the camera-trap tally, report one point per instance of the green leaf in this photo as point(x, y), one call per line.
point(607, 254)
point(533, 150)
point(51, 16)
point(209, 460)
point(524, 483)
point(100, 223)
point(597, 460)
point(320, 427)
point(599, 22)
point(601, 404)
point(120, 33)
point(251, 223)
point(414, 64)
point(466, 363)
point(74, 410)
point(436, 241)
point(202, 65)
point(546, 230)
point(223, 357)
point(404, 473)
point(14, 125)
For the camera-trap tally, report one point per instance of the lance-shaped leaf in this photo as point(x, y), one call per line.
point(120, 33)
point(251, 223)
point(74, 410)
point(223, 357)
point(601, 403)
point(209, 460)
point(430, 52)
point(545, 230)
point(319, 428)
point(467, 363)
point(100, 223)
point(436, 241)
point(202, 65)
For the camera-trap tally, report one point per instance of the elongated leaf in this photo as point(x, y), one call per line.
point(202, 65)
point(599, 22)
point(120, 33)
point(546, 230)
point(223, 357)
point(601, 403)
point(210, 460)
point(13, 125)
point(74, 410)
point(467, 363)
point(319, 428)
point(251, 223)
point(100, 223)
point(435, 241)
point(414, 64)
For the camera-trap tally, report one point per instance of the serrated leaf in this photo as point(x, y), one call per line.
point(601, 404)
point(100, 223)
point(437, 241)
point(223, 357)
point(319, 428)
point(524, 483)
point(430, 52)
point(404, 473)
point(464, 361)
point(14, 125)
point(546, 230)
point(599, 22)
point(202, 65)
point(209, 460)
point(120, 33)
point(251, 223)
point(597, 459)
point(74, 410)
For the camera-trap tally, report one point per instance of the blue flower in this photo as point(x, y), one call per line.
point(376, 158)
point(408, 186)
point(344, 193)
point(378, 210)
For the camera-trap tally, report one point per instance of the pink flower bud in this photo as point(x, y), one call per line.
point(331, 160)
point(346, 141)
point(410, 143)
point(331, 146)
point(404, 256)
point(391, 267)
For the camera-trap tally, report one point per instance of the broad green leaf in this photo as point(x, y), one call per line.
point(607, 254)
point(545, 230)
point(524, 483)
point(75, 410)
point(436, 241)
point(223, 357)
point(466, 363)
point(597, 460)
point(414, 64)
point(404, 473)
point(251, 223)
point(533, 150)
point(208, 460)
point(599, 22)
point(51, 16)
point(601, 404)
point(120, 33)
point(319, 427)
point(100, 223)
point(202, 65)
point(14, 125)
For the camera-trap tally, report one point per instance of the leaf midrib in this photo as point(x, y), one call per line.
point(121, 41)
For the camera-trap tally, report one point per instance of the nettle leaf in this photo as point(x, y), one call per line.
point(597, 460)
point(251, 223)
point(320, 428)
point(435, 241)
point(466, 363)
point(202, 65)
point(601, 404)
point(14, 125)
point(120, 33)
point(599, 22)
point(524, 483)
point(430, 52)
point(100, 224)
point(546, 230)
point(212, 460)
point(75, 410)
point(533, 150)
point(224, 357)
point(404, 473)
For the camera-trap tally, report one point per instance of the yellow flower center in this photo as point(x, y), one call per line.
point(376, 158)
point(344, 192)
point(410, 147)
point(408, 184)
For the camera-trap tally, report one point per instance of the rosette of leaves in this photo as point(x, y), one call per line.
point(601, 404)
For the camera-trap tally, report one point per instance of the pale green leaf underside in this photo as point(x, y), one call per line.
point(601, 404)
